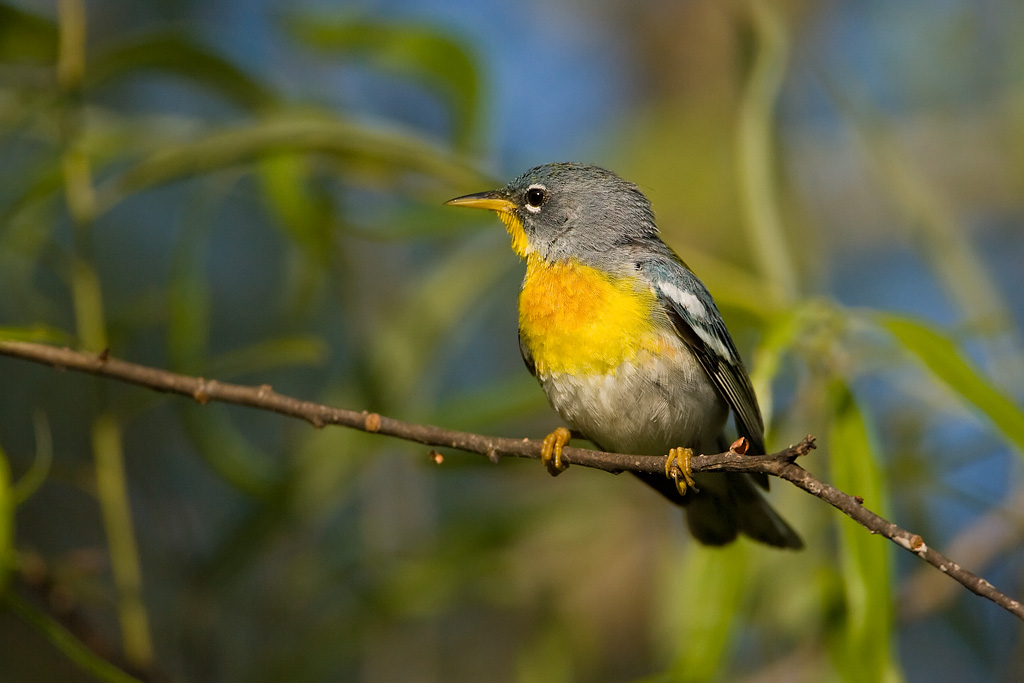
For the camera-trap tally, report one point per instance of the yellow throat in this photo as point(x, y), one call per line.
point(575, 319)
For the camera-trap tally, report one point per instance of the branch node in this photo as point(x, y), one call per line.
point(371, 422)
point(103, 355)
point(317, 419)
point(493, 455)
point(801, 449)
point(201, 395)
point(807, 445)
point(264, 390)
point(740, 446)
point(917, 544)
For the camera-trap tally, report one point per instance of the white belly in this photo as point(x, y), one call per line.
point(646, 406)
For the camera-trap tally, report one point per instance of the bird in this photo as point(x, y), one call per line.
point(629, 345)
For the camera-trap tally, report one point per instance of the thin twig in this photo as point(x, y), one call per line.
point(780, 464)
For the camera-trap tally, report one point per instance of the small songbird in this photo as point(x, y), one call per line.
point(629, 345)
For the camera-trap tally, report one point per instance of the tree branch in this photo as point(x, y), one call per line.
point(779, 464)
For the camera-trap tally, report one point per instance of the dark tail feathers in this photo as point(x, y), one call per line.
point(725, 506)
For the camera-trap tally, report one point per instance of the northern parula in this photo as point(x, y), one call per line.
point(628, 344)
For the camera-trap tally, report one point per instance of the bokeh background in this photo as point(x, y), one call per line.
point(252, 191)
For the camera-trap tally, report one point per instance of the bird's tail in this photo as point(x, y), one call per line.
point(725, 505)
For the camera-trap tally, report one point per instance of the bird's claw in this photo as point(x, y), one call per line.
point(551, 451)
point(677, 468)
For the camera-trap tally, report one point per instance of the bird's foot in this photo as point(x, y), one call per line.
point(677, 468)
point(551, 451)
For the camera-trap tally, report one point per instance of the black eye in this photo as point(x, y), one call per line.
point(535, 196)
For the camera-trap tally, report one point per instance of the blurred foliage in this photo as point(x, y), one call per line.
point(422, 53)
point(864, 585)
point(277, 221)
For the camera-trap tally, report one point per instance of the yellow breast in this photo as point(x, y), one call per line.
point(575, 319)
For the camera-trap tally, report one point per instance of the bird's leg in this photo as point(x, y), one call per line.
point(551, 450)
point(677, 468)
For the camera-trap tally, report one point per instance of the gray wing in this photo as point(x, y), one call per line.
point(696, 319)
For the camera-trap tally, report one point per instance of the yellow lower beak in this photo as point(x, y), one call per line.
point(498, 201)
point(493, 200)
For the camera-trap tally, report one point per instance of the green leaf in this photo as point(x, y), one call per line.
point(26, 37)
point(422, 53)
point(943, 358)
point(87, 300)
point(219, 442)
point(175, 54)
point(861, 644)
point(412, 221)
point(6, 522)
point(408, 336)
point(28, 219)
point(545, 657)
point(703, 609)
point(188, 291)
point(188, 306)
point(755, 143)
point(119, 527)
point(302, 208)
point(781, 335)
point(280, 352)
point(35, 333)
point(486, 406)
point(733, 285)
point(372, 149)
point(225, 449)
point(40, 468)
point(66, 642)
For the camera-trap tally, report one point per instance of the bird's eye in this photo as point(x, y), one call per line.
point(535, 196)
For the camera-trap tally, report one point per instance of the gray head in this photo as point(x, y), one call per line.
point(568, 210)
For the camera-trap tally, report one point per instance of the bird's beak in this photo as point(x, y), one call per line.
point(495, 200)
point(498, 201)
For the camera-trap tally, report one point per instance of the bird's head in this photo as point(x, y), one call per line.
point(567, 210)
